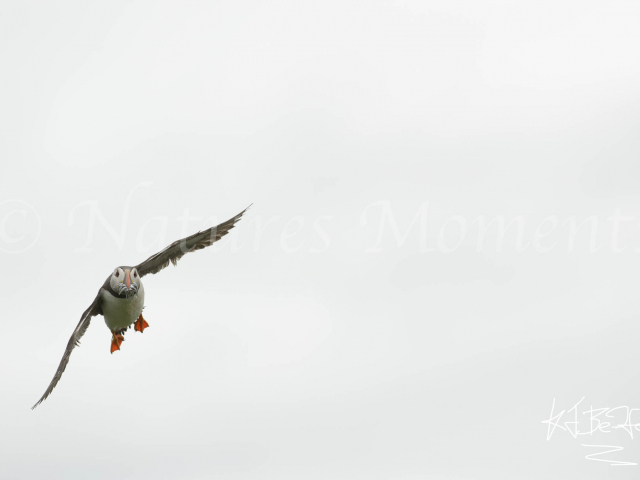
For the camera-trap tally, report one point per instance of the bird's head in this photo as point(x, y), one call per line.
point(125, 280)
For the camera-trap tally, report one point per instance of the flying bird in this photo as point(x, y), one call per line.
point(121, 297)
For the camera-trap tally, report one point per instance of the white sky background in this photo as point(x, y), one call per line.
point(316, 341)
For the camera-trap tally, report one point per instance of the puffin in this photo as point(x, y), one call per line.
point(120, 299)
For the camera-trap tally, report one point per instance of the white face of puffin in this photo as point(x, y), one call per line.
point(125, 280)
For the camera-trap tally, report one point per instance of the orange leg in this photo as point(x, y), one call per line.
point(140, 324)
point(116, 341)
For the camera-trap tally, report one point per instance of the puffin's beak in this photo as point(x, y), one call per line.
point(127, 279)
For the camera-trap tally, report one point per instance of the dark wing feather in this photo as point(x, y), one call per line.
point(94, 309)
point(179, 248)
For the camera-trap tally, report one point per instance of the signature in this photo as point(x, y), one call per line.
point(593, 420)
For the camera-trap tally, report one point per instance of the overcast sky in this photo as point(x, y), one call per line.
point(444, 238)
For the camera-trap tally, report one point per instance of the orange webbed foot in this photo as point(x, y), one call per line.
point(116, 341)
point(140, 324)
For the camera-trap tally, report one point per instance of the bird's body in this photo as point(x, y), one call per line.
point(121, 298)
point(120, 313)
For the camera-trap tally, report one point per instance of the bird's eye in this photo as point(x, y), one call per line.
point(135, 274)
point(117, 273)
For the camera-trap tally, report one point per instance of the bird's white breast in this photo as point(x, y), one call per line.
point(121, 312)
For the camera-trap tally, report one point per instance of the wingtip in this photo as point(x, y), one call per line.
point(42, 399)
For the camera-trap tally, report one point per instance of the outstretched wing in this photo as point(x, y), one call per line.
point(94, 309)
point(179, 248)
